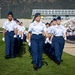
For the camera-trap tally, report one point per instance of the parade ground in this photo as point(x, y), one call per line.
point(22, 65)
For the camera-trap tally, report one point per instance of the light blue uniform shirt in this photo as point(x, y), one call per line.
point(58, 30)
point(9, 25)
point(46, 29)
point(50, 29)
point(36, 28)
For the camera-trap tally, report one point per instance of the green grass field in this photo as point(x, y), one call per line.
point(22, 65)
point(1, 29)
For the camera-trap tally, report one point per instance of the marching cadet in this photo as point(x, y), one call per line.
point(37, 40)
point(46, 31)
point(47, 45)
point(59, 34)
point(16, 51)
point(22, 30)
point(20, 34)
point(8, 35)
point(52, 24)
point(51, 50)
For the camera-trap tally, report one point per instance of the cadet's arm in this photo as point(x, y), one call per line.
point(46, 34)
point(51, 37)
point(15, 31)
point(65, 36)
point(3, 34)
point(29, 36)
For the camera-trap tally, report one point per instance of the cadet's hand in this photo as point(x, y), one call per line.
point(65, 38)
point(27, 40)
point(3, 39)
point(29, 44)
point(15, 36)
point(19, 36)
point(49, 42)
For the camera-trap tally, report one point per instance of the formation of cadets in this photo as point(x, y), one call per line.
point(48, 38)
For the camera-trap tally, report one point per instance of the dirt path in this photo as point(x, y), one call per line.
point(70, 48)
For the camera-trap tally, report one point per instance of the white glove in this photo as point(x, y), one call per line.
point(15, 36)
point(22, 38)
point(45, 42)
point(3, 39)
point(29, 44)
point(47, 39)
point(27, 40)
point(49, 42)
point(65, 38)
point(19, 35)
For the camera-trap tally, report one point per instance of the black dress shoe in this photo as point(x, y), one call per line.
point(35, 67)
point(32, 62)
point(52, 59)
point(7, 57)
point(61, 60)
point(39, 67)
point(57, 62)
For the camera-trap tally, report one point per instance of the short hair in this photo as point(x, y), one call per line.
point(47, 23)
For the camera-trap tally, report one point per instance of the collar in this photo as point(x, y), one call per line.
point(36, 22)
point(9, 21)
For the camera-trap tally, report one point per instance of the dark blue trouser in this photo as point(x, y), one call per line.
point(24, 38)
point(9, 39)
point(37, 44)
point(51, 52)
point(15, 46)
point(58, 43)
point(30, 50)
point(20, 41)
point(47, 48)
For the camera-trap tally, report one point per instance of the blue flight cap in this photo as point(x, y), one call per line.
point(58, 18)
point(54, 19)
point(37, 14)
point(10, 13)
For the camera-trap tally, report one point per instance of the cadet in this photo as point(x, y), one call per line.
point(20, 31)
point(46, 31)
point(37, 40)
point(59, 34)
point(51, 51)
point(53, 23)
point(8, 35)
point(47, 45)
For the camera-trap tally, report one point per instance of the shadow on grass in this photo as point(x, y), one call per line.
point(22, 50)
